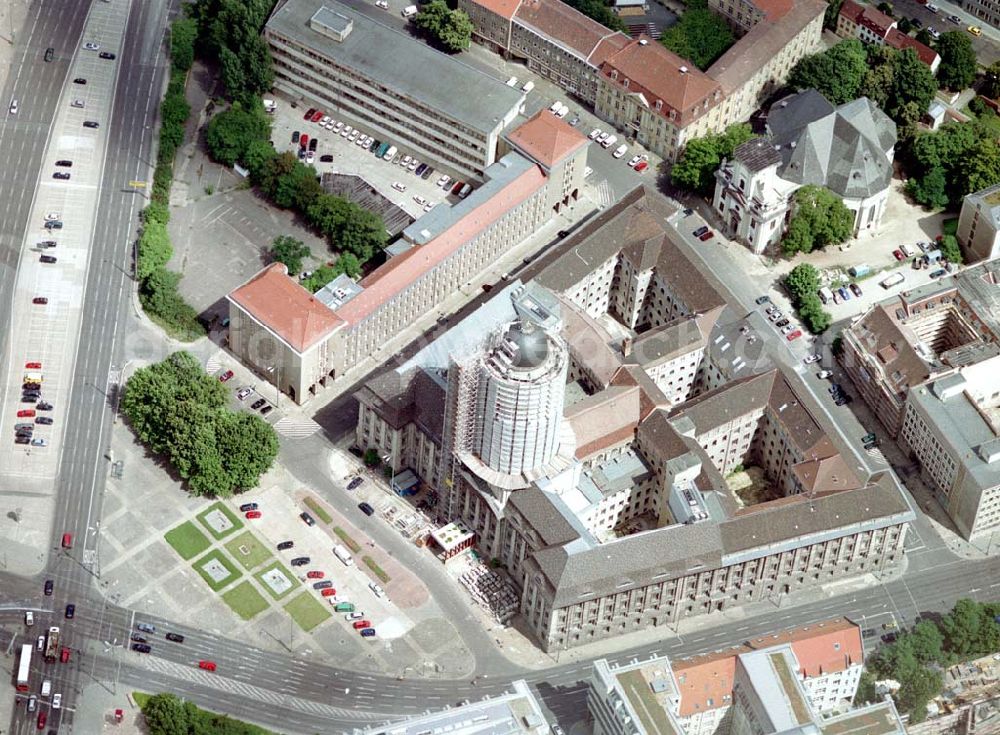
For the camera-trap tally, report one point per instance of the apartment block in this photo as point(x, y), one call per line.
point(873, 26)
point(952, 426)
point(432, 105)
point(987, 11)
point(637, 85)
point(979, 225)
point(772, 685)
point(628, 449)
point(347, 322)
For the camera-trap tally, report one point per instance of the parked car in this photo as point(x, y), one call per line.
point(366, 509)
point(248, 506)
point(794, 335)
point(368, 633)
point(226, 376)
point(146, 627)
point(253, 514)
point(300, 561)
point(285, 545)
point(323, 585)
point(824, 374)
point(309, 520)
point(355, 483)
point(315, 574)
point(207, 665)
point(855, 289)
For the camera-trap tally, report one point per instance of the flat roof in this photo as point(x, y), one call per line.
point(408, 67)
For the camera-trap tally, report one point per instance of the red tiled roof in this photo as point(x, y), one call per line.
point(504, 8)
point(283, 306)
point(547, 139)
point(656, 74)
point(821, 648)
point(899, 40)
point(562, 23)
point(774, 9)
point(865, 15)
point(389, 280)
point(706, 682)
point(608, 46)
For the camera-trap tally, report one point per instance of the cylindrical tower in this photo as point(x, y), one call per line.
point(520, 399)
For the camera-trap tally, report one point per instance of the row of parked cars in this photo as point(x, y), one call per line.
point(28, 419)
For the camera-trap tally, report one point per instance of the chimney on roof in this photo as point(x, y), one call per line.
point(684, 70)
point(626, 346)
point(643, 42)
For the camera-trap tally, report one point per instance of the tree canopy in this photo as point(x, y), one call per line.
point(819, 218)
point(958, 60)
point(898, 82)
point(836, 73)
point(803, 283)
point(956, 159)
point(451, 28)
point(166, 714)
point(179, 411)
point(155, 249)
point(599, 11)
point(231, 133)
point(230, 30)
point(700, 36)
point(183, 34)
point(286, 249)
point(696, 166)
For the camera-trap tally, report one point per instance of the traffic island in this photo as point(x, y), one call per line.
point(187, 540)
point(245, 601)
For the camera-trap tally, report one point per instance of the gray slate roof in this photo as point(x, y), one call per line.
point(843, 150)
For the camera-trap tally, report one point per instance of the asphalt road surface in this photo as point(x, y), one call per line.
point(130, 130)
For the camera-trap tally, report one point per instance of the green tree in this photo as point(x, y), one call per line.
point(886, 8)
point(165, 715)
point(967, 630)
point(924, 36)
point(183, 33)
point(362, 233)
point(832, 13)
point(233, 77)
point(991, 81)
point(599, 11)
point(451, 28)
point(904, 25)
point(231, 133)
point(155, 249)
point(916, 690)
point(695, 169)
point(348, 264)
point(982, 169)
point(156, 212)
point(816, 319)
point(930, 190)
point(700, 36)
point(836, 73)
point(926, 642)
point(802, 280)
point(258, 67)
point(819, 218)
point(248, 446)
point(912, 88)
point(320, 277)
point(958, 60)
point(867, 693)
point(371, 458)
point(257, 157)
point(289, 187)
point(950, 251)
point(286, 249)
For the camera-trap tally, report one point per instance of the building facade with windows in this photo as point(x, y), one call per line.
point(987, 11)
point(434, 106)
point(875, 27)
point(626, 449)
point(979, 225)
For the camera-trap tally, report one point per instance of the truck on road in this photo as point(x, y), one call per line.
point(341, 552)
point(52, 645)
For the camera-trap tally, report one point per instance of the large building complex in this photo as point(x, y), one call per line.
point(666, 393)
point(638, 85)
point(397, 87)
point(302, 342)
point(979, 225)
point(848, 150)
point(800, 681)
point(925, 363)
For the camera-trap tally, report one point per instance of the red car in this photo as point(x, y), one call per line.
point(316, 574)
point(40, 300)
point(641, 166)
point(41, 720)
point(898, 254)
point(309, 113)
point(225, 376)
point(304, 140)
point(359, 624)
point(706, 236)
point(791, 336)
point(32, 366)
point(207, 665)
point(253, 514)
point(64, 656)
point(328, 592)
point(317, 116)
point(26, 413)
point(67, 541)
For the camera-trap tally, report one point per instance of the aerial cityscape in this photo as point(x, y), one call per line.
point(500, 367)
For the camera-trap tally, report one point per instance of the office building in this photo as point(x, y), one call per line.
point(347, 322)
point(802, 680)
point(847, 150)
point(979, 225)
point(397, 88)
point(631, 523)
point(637, 85)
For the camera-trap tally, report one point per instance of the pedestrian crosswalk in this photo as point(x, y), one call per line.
point(213, 365)
point(604, 197)
point(294, 427)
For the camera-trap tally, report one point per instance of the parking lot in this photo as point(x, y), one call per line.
point(335, 152)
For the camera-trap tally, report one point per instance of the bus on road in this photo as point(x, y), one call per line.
point(24, 668)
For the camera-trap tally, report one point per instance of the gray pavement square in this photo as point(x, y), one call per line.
point(128, 528)
point(434, 634)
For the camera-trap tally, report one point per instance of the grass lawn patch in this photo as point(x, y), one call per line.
point(187, 540)
point(207, 516)
point(140, 698)
point(307, 611)
point(350, 543)
point(247, 550)
point(318, 509)
point(202, 566)
point(376, 569)
point(245, 600)
point(277, 568)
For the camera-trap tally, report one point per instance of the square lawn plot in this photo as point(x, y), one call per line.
point(277, 580)
point(245, 600)
point(219, 521)
point(307, 611)
point(216, 569)
point(247, 550)
point(187, 540)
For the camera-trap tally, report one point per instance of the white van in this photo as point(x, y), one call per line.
point(825, 295)
point(409, 11)
point(340, 551)
point(13, 107)
point(907, 250)
point(611, 140)
point(390, 153)
point(620, 151)
point(512, 82)
point(46, 688)
point(528, 86)
point(270, 106)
